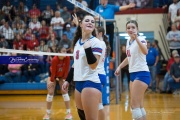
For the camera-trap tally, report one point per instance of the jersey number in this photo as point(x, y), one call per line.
point(77, 54)
point(128, 53)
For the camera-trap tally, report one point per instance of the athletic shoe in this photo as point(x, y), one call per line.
point(46, 117)
point(68, 116)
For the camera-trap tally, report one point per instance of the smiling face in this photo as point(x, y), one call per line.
point(88, 24)
point(132, 28)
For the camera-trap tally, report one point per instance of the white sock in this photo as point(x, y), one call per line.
point(48, 111)
point(68, 110)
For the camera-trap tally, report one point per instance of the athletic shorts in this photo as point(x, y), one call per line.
point(143, 76)
point(80, 85)
point(102, 79)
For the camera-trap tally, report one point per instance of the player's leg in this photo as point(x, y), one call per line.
point(102, 114)
point(66, 99)
point(78, 86)
point(49, 98)
point(138, 89)
point(91, 104)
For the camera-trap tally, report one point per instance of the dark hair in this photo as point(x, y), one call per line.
point(78, 33)
point(60, 48)
point(132, 21)
point(177, 12)
point(105, 39)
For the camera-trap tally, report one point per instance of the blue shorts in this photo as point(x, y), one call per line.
point(102, 79)
point(143, 76)
point(80, 85)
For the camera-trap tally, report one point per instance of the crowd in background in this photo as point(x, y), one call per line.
point(24, 28)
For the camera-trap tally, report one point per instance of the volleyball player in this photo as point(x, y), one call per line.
point(58, 73)
point(100, 34)
point(136, 51)
point(87, 52)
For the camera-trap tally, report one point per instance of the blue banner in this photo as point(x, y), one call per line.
point(21, 59)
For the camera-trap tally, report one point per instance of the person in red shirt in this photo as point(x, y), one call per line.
point(18, 43)
point(166, 89)
point(31, 44)
point(34, 12)
point(43, 31)
point(58, 72)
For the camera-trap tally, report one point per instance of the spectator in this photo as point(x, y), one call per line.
point(8, 34)
point(35, 25)
point(31, 71)
point(34, 12)
point(66, 15)
point(174, 83)
point(107, 11)
point(177, 19)
point(83, 2)
point(47, 14)
point(23, 11)
point(58, 8)
point(18, 42)
point(49, 33)
point(68, 32)
point(57, 22)
point(173, 11)
point(167, 76)
point(14, 71)
point(43, 31)
point(3, 42)
point(173, 37)
point(65, 43)
point(152, 59)
point(31, 44)
point(52, 42)
point(43, 47)
point(6, 11)
point(18, 29)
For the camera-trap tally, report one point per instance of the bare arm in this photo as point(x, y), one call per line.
point(157, 59)
point(123, 64)
point(126, 7)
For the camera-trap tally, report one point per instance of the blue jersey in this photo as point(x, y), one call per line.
point(151, 56)
point(107, 12)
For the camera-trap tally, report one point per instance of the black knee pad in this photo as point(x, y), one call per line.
point(81, 114)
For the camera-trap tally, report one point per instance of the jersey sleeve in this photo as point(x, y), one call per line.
point(96, 47)
point(53, 69)
point(143, 40)
point(66, 67)
point(116, 8)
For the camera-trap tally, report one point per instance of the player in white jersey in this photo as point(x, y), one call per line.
point(136, 51)
point(87, 52)
point(104, 105)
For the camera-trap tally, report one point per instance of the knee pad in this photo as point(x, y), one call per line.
point(66, 97)
point(136, 113)
point(101, 106)
point(81, 114)
point(49, 98)
point(143, 112)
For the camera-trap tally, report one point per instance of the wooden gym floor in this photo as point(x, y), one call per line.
point(32, 107)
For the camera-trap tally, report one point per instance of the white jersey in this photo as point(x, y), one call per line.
point(100, 66)
point(82, 71)
point(136, 59)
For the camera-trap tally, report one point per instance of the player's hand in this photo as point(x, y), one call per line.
point(132, 5)
point(134, 36)
point(65, 86)
point(75, 19)
point(117, 72)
